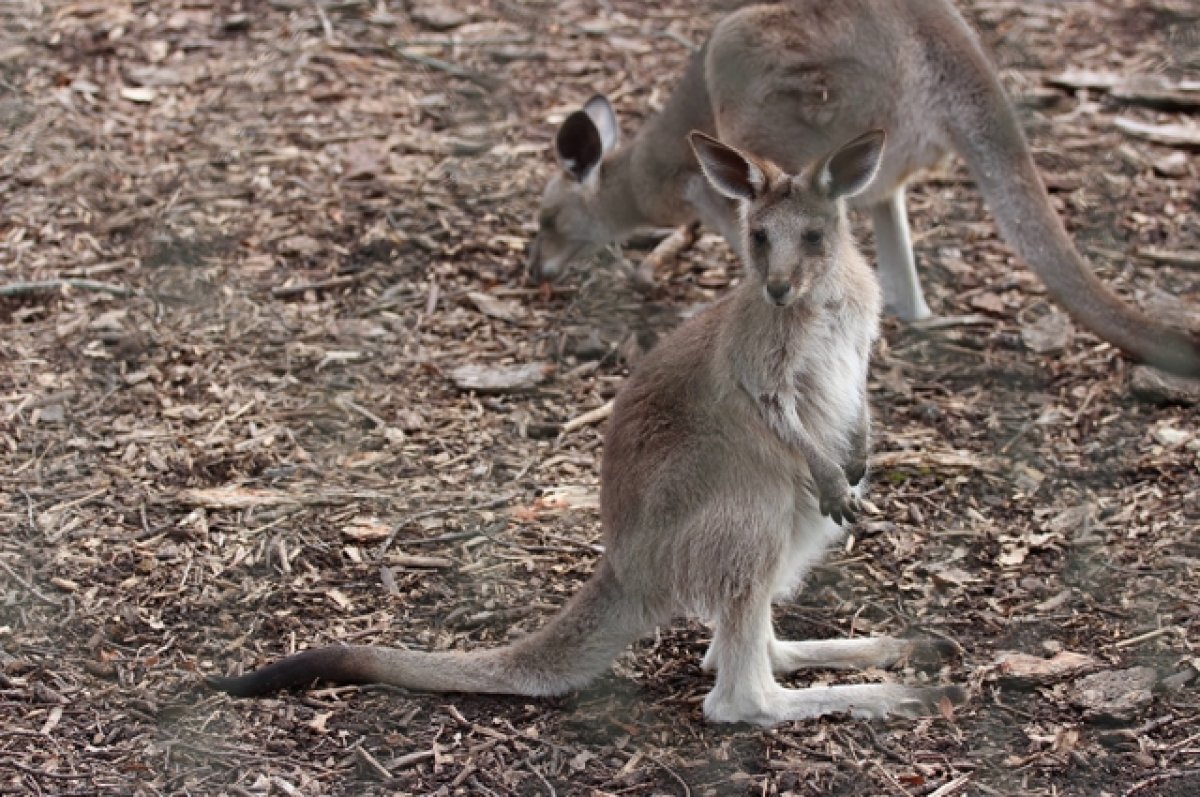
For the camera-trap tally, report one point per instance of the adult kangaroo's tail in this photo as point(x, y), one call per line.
point(984, 130)
point(575, 646)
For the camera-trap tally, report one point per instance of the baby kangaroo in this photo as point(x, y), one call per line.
point(732, 457)
point(789, 80)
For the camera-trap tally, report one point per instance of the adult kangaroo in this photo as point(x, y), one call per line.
point(789, 80)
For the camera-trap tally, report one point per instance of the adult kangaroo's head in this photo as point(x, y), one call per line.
point(572, 220)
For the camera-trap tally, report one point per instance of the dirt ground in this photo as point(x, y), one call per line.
point(230, 427)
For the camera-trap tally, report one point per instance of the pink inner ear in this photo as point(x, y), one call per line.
point(728, 170)
point(578, 145)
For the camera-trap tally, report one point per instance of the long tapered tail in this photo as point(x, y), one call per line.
point(575, 646)
point(984, 130)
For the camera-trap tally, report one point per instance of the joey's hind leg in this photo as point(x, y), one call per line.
point(746, 691)
point(884, 652)
point(857, 654)
point(898, 277)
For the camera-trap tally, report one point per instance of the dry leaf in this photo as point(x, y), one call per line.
point(366, 528)
point(1023, 666)
point(496, 308)
point(139, 94)
point(233, 496)
point(501, 378)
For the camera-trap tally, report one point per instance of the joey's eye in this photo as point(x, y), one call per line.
point(813, 237)
point(759, 237)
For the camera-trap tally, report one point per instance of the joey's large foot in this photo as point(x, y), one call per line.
point(928, 653)
point(843, 505)
point(914, 702)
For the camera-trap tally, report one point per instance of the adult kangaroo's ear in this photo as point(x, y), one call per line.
point(579, 145)
point(850, 169)
point(602, 115)
point(735, 175)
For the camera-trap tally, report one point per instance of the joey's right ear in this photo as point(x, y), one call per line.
point(579, 145)
point(850, 169)
point(729, 171)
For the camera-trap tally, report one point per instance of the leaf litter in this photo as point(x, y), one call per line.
point(246, 251)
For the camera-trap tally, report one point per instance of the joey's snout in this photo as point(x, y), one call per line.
point(779, 293)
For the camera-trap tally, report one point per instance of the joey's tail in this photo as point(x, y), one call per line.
point(575, 646)
point(984, 130)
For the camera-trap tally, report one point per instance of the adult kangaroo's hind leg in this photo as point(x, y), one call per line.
point(902, 294)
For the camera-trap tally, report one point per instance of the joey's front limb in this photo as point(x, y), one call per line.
point(834, 496)
point(860, 448)
point(898, 277)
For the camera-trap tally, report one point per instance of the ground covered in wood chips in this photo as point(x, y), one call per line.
point(230, 427)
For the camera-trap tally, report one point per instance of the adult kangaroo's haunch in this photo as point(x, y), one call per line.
point(788, 81)
point(730, 462)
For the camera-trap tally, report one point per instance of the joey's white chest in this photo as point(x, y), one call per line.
point(827, 377)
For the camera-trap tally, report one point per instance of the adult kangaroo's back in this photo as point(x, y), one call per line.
point(791, 79)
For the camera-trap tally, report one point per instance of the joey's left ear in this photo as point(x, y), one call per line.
point(850, 169)
point(735, 175)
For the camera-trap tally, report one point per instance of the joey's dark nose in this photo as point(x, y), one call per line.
point(778, 291)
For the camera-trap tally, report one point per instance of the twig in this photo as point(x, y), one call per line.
point(449, 68)
point(542, 778)
point(454, 41)
point(370, 762)
point(22, 288)
point(950, 787)
point(946, 322)
point(591, 416)
point(1165, 776)
point(1171, 135)
point(492, 504)
point(350, 406)
point(41, 773)
point(32, 589)
point(326, 25)
point(1146, 637)
point(687, 791)
point(285, 291)
point(667, 250)
point(678, 38)
point(1164, 95)
point(1188, 260)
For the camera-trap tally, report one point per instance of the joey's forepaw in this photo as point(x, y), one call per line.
point(844, 507)
point(855, 472)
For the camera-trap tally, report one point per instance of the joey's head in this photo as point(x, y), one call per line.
point(794, 227)
point(571, 223)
